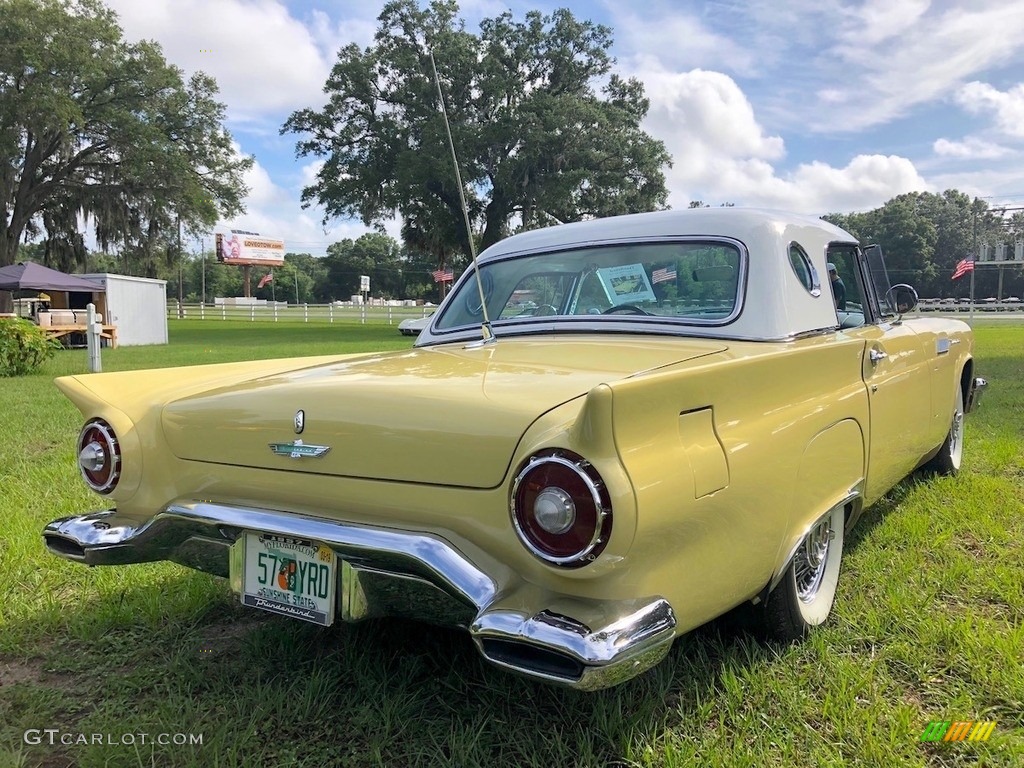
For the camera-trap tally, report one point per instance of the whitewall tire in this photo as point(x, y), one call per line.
point(947, 461)
point(803, 598)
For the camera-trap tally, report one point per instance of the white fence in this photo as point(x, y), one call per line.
point(281, 312)
point(985, 305)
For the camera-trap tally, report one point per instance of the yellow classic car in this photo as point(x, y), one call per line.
point(609, 433)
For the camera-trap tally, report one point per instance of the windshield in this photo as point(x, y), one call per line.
point(687, 282)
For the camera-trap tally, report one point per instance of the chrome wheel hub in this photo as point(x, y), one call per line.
point(810, 560)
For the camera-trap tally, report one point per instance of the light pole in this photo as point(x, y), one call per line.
point(202, 250)
point(181, 311)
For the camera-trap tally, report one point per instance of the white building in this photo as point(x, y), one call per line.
point(136, 305)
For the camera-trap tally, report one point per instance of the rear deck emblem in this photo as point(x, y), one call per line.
point(299, 450)
point(300, 421)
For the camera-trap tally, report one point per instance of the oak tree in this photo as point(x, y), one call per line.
point(543, 130)
point(95, 128)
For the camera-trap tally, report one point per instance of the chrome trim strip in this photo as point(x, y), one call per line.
point(564, 332)
point(442, 335)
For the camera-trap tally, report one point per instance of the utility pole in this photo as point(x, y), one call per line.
point(202, 250)
point(181, 309)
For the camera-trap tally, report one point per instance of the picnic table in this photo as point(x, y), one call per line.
point(108, 332)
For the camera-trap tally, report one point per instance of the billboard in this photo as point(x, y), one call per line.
point(238, 247)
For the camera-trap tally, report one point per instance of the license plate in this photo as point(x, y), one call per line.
point(289, 576)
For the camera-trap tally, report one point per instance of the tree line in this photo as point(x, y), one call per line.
point(925, 235)
point(304, 279)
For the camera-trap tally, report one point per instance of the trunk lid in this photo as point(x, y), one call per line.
point(445, 415)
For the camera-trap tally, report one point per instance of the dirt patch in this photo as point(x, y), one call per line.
point(218, 639)
point(33, 672)
point(15, 672)
point(972, 545)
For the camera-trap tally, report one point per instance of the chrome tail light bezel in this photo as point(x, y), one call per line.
point(99, 436)
point(598, 517)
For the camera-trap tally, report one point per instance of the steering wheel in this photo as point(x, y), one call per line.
point(543, 310)
point(631, 309)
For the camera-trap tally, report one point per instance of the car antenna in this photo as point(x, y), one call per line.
point(485, 327)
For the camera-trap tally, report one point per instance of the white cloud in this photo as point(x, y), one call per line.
point(941, 47)
point(689, 108)
point(1008, 106)
point(877, 21)
point(333, 35)
point(267, 63)
point(1000, 184)
point(681, 41)
point(264, 60)
point(970, 148)
point(275, 211)
point(865, 182)
point(722, 154)
point(309, 172)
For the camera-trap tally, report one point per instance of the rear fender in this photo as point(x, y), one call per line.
point(831, 473)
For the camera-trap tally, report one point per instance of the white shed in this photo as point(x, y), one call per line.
point(136, 305)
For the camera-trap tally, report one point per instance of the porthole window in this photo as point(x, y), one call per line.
point(804, 270)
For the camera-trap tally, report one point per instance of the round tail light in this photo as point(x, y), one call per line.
point(561, 509)
point(99, 456)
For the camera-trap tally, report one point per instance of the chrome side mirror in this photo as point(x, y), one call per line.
point(901, 299)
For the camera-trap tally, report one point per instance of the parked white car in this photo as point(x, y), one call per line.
point(413, 325)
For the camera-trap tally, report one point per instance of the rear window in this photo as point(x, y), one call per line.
point(685, 282)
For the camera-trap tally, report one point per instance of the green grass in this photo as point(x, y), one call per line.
point(929, 625)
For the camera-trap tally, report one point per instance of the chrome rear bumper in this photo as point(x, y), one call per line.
point(383, 572)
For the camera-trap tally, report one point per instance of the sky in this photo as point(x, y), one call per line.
point(813, 106)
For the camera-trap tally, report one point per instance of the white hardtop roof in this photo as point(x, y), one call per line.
point(743, 224)
point(776, 304)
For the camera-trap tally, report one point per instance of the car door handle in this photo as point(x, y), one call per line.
point(876, 356)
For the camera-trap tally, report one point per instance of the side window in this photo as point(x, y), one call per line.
point(804, 269)
point(846, 286)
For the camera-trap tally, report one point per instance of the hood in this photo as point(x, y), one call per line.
point(446, 415)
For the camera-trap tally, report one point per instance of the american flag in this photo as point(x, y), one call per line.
point(443, 275)
point(962, 268)
point(663, 275)
point(267, 278)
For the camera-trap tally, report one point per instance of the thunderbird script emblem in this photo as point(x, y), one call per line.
point(299, 450)
point(300, 421)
